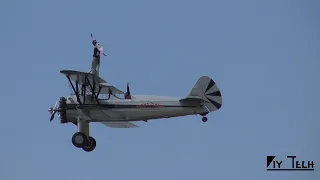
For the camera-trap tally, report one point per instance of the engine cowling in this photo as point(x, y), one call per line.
point(63, 110)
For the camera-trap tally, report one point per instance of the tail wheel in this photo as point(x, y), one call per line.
point(79, 139)
point(91, 145)
point(204, 119)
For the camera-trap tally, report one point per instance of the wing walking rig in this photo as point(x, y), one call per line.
point(94, 100)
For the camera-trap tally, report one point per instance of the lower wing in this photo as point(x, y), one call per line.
point(120, 124)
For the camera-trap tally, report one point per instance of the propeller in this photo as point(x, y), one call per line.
point(53, 110)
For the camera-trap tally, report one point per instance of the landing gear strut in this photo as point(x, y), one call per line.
point(81, 139)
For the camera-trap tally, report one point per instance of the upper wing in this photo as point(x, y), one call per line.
point(81, 77)
point(91, 80)
point(120, 124)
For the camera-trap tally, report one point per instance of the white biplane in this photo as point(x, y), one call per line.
point(93, 100)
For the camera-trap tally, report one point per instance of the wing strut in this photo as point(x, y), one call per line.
point(93, 87)
point(75, 90)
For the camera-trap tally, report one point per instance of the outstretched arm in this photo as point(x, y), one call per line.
point(98, 46)
point(92, 37)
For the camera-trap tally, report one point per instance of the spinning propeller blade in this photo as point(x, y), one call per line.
point(53, 111)
point(52, 116)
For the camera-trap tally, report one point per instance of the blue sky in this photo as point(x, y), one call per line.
point(262, 54)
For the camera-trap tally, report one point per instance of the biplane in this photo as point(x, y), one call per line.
point(94, 100)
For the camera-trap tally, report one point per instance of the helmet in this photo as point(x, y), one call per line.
point(94, 42)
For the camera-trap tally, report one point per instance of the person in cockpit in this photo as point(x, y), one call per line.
point(127, 95)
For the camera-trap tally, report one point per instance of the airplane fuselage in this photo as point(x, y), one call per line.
point(138, 108)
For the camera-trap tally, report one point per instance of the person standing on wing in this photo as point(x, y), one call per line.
point(97, 51)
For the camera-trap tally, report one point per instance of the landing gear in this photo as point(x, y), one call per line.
point(80, 140)
point(91, 145)
point(204, 119)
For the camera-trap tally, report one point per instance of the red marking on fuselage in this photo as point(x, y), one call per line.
point(149, 105)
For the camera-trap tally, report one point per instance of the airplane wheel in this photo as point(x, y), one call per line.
point(91, 145)
point(79, 139)
point(204, 119)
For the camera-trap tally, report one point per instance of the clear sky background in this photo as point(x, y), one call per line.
point(264, 56)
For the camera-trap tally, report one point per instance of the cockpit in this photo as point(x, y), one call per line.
point(107, 92)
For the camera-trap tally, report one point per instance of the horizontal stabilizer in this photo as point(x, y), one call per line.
point(120, 124)
point(192, 99)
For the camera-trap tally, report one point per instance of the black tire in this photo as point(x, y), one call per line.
point(204, 119)
point(79, 139)
point(91, 145)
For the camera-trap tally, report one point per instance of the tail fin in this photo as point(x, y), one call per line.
point(207, 92)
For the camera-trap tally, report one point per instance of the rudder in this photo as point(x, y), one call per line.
point(207, 91)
